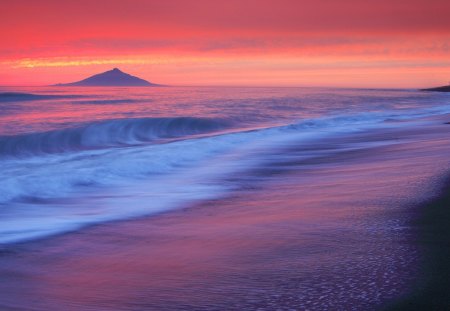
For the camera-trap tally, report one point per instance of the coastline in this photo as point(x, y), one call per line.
point(305, 241)
point(432, 228)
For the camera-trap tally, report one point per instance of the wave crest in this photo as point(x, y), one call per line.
point(105, 134)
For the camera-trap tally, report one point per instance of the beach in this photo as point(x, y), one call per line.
point(432, 223)
point(327, 212)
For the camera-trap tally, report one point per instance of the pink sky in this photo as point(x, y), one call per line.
point(275, 43)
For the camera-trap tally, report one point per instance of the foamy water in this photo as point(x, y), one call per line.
point(72, 157)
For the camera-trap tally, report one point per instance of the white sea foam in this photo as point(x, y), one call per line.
point(121, 178)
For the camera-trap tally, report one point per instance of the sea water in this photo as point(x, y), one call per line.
point(203, 198)
point(73, 157)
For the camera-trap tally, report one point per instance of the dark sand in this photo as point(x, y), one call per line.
point(432, 292)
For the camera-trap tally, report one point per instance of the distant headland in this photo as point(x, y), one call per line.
point(114, 77)
point(445, 88)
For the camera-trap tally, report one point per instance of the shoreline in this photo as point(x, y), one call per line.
point(331, 230)
point(432, 237)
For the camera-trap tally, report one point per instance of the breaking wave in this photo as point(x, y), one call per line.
point(106, 134)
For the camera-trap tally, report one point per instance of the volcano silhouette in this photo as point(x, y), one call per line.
point(114, 77)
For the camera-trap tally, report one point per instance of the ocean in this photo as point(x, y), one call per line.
point(214, 198)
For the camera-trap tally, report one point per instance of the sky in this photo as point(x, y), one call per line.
point(341, 43)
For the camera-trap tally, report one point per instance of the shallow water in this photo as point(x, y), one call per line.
point(213, 198)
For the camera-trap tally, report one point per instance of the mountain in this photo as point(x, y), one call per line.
point(445, 88)
point(113, 77)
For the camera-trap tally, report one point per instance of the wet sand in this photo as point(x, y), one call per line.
point(432, 225)
point(334, 236)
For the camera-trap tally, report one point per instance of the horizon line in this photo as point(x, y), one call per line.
point(227, 86)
